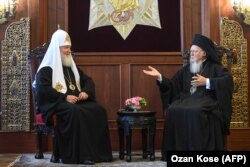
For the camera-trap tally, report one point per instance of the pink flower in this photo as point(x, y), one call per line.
point(136, 101)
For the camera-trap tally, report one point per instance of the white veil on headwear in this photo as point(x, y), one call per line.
point(53, 59)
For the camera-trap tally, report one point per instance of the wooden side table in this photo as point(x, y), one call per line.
point(126, 121)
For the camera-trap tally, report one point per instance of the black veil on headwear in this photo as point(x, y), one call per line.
point(208, 46)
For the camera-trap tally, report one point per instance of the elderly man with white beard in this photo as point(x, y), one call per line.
point(197, 101)
point(64, 90)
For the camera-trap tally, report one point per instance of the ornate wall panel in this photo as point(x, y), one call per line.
point(15, 93)
point(232, 37)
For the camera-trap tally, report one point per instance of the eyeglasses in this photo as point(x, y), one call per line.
point(194, 51)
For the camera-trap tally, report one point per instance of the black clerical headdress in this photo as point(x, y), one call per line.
point(208, 46)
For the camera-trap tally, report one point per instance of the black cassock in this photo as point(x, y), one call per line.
point(197, 121)
point(82, 129)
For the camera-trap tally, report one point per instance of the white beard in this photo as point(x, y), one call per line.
point(195, 67)
point(67, 61)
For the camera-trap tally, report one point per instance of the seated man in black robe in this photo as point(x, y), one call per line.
point(81, 130)
point(197, 100)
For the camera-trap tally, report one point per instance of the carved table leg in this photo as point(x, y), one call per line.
point(128, 145)
point(152, 142)
point(121, 143)
point(144, 143)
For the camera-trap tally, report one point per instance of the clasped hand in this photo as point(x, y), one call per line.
point(198, 80)
point(74, 99)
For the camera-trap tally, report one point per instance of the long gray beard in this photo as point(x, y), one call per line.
point(195, 67)
point(67, 61)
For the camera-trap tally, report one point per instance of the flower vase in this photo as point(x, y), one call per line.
point(135, 107)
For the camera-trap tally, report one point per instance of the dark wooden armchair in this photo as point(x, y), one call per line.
point(35, 58)
point(228, 57)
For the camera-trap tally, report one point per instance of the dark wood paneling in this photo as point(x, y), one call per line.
point(145, 86)
point(107, 83)
point(17, 142)
point(128, 57)
point(119, 75)
point(38, 12)
point(190, 21)
point(210, 19)
point(57, 15)
point(239, 139)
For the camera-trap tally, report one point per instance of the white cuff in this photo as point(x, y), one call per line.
point(159, 78)
point(207, 83)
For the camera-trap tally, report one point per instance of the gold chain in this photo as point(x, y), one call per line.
point(71, 85)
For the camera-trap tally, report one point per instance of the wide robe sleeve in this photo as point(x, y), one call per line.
point(170, 89)
point(87, 84)
point(221, 83)
point(223, 86)
point(47, 97)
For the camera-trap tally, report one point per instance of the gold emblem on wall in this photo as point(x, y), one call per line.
point(123, 15)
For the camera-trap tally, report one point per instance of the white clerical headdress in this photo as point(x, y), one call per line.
point(53, 59)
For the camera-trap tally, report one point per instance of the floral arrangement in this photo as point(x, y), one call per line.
point(133, 102)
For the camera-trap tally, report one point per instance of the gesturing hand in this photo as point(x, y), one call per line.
point(152, 72)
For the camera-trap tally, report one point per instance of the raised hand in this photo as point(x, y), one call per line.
point(152, 72)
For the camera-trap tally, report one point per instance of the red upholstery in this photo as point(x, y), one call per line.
point(39, 119)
